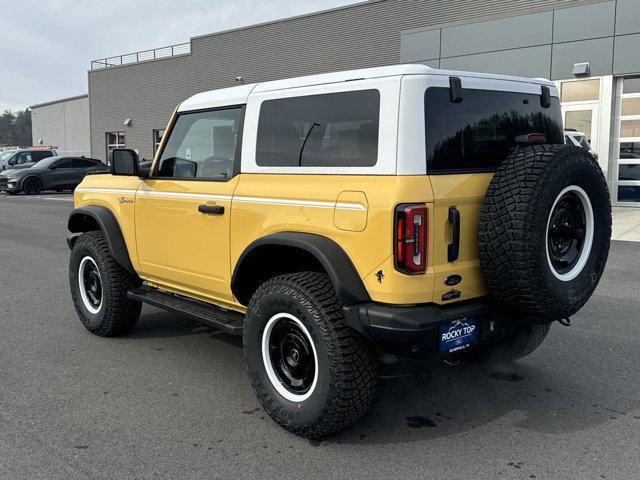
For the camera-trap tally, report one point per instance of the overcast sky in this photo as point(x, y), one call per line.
point(46, 47)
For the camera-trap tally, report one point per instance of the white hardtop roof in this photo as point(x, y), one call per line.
point(238, 95)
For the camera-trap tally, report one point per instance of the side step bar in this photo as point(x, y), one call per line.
point(225, 320)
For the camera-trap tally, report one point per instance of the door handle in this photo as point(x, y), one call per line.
point(453, 249)
point(211, 209)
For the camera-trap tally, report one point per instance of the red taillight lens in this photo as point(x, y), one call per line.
point(410, 238)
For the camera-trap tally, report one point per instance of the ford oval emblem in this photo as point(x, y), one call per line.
point(452, 280)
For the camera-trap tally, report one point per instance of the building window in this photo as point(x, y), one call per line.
point(581, 109)
point(580, 90)
point(115, 140)
point(629, 142)
point(157, 139)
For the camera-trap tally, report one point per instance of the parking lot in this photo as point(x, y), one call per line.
point(172, 399)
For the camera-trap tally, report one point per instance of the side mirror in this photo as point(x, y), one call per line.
point(123, 161)
point(144, 169)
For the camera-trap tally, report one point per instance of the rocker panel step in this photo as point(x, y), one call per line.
point(225, 320)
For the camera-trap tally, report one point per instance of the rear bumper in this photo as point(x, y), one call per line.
point(414, 331)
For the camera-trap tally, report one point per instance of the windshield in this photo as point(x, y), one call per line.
point(8, 154)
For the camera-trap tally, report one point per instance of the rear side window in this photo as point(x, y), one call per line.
point(40, 155)
point(479, 132)
point(327, 130)
point(84, 163)
point(66, 163)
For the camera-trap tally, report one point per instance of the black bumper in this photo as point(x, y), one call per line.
point(414, 331)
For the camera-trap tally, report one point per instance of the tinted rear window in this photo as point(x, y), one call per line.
point(328, 130)
point(478, 133)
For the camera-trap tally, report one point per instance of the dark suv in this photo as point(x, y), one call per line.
point(54, 173)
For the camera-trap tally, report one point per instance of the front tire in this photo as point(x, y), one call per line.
point(99, 288)
point(32, 186)
point(311, 373)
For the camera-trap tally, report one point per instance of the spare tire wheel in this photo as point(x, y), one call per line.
point(544, 231)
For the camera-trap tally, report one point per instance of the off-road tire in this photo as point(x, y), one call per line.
point(117, 314)
point(516, 345)
point(32, 186)
point(346, 363)
point(514, 225)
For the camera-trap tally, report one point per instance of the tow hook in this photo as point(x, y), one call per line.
point(565, 321)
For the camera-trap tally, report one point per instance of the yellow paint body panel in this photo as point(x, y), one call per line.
point(116, 194)
point(177, 248)
point(465, 192)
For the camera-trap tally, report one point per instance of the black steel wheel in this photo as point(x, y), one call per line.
point(290, 357)
point(570, 231)
point(90, 284)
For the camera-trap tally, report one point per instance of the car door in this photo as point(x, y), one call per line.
point(59, 174)
point(182, 211)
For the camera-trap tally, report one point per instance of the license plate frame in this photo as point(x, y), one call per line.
point(457, 335)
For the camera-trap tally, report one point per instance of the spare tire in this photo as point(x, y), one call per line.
point(544, 231)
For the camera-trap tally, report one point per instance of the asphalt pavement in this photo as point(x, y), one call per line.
point(172, 400)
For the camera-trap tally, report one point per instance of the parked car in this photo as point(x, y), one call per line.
point(24, 158)
point(424, 212)
point(579, 139)
point(53, 173)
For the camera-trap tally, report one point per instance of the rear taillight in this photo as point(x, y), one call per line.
point(410, 238)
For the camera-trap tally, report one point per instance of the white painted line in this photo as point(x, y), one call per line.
point(227, 198)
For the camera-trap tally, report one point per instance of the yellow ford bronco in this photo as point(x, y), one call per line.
point(421, 212)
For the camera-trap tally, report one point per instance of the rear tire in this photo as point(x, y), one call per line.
point(99, 288)
point(311, 373)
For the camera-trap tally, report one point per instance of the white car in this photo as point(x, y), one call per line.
point(579, 139)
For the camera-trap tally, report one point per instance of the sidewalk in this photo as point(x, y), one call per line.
point(626, 224)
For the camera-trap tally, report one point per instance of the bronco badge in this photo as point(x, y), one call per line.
point(451, 295)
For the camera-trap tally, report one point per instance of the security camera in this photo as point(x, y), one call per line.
point(239, 78)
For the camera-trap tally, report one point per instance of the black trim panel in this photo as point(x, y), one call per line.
point(329, 254)
point(109, 226)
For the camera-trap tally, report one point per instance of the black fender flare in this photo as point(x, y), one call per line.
point(347, 282)
point(27, 177)
point(108, 225)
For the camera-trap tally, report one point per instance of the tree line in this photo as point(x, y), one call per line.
point(15, 128)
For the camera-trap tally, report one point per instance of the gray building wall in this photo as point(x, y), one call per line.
point(544, 44)
point(361, 35)
point(64, 123)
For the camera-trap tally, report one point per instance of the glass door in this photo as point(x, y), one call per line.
point(583, 118)
point(628, 180)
